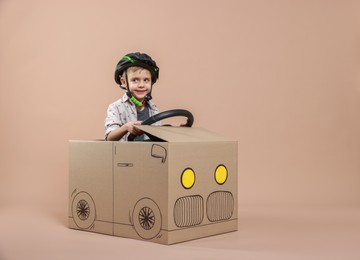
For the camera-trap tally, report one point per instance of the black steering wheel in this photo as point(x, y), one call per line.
point(167, 114)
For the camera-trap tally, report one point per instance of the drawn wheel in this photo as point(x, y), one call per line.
point(147, 218)
point(83, 210)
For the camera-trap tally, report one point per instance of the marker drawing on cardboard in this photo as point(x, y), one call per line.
point(180, 187)
point(158, 151)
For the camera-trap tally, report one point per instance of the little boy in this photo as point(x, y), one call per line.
point(136, 73)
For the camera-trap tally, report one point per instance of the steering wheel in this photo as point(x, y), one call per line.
point(167, 114)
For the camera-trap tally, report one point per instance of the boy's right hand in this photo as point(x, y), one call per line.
point(130, 128)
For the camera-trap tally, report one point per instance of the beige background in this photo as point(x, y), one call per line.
point(281, 77)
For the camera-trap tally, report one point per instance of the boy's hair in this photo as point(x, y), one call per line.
point(134, 68)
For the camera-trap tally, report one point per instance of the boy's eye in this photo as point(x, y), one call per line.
point(136, 80)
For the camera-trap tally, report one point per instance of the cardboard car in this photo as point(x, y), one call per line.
point(179, 186)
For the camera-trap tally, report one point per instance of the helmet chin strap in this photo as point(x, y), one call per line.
point(132, 98)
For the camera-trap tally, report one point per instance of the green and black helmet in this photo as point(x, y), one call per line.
point(137, 59)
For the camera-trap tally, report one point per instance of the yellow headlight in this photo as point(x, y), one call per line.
point(221, 174)
point(188, 178)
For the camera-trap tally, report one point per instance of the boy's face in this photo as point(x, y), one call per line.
point(139, 80)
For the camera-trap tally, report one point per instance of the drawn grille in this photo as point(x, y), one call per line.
point(189, 211)
point(220, 206)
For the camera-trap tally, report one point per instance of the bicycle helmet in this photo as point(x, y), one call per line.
point(136, 59)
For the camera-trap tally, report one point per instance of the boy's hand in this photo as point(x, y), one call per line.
point(130, 128)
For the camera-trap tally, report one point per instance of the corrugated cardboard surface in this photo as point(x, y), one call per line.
point(136, 190)
point(183, 134)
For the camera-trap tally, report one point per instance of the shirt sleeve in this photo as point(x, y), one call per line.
point(112, 120)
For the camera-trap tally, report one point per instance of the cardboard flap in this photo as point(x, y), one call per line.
point(182, 134)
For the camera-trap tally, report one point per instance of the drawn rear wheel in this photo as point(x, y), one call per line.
point(83, 210)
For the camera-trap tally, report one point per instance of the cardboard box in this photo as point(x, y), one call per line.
point(182, 186)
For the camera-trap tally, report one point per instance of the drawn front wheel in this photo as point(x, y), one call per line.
point(147, 218)
point(83, 210)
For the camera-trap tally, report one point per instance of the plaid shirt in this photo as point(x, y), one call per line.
point(122, 111)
